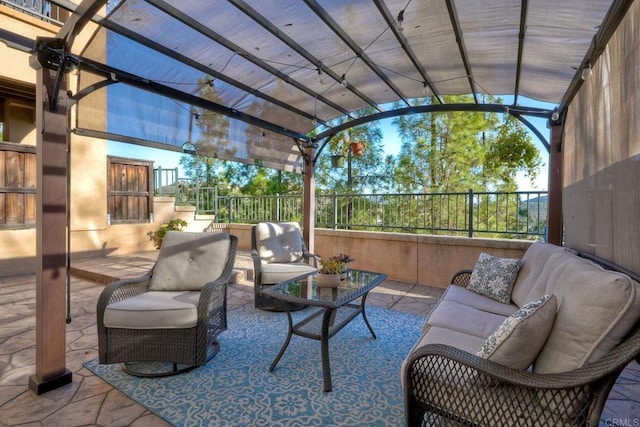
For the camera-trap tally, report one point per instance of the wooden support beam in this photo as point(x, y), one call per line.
point(51, 235)
point(554, 215)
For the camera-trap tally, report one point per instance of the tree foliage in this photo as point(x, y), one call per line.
point(440, 152)
point(371, 170)
point(455, 151)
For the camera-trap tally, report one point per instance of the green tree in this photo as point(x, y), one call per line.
point(455, 151)
point(206, 171)
point(257, 180)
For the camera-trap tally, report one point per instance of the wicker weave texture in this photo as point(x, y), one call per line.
point(189, 346)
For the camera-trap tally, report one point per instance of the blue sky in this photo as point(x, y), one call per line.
point(391, 143)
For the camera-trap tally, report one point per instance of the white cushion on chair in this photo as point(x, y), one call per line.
point(187, 261)
point(279, 241)
point(154, 310)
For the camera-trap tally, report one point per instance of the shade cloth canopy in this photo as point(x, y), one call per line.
point(254, 80)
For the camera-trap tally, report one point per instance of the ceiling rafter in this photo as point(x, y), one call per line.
point(521, 38)
point(112, 73)
point(171, 53)
point(275, 31)
point(208, 32)
point(388, 17)
point(360, 53)
point(455, 23)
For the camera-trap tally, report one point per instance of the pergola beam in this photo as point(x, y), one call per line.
point(521, 38)
point(515, 111)
point(455, 23)
point(390, 20)
point(214, 36)
point(267, 25)
point(360, 53)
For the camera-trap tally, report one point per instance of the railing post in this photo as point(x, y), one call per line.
point(216, 210)
point(335, 211)
point(276, 198)
point(230, 213)
point(471, 212)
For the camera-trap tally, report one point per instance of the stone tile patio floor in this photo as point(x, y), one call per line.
point(89, 401)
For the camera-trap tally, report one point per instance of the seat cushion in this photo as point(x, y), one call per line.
point(494, 277)
point(154, 310)
point(188, 261)
point(519, 339)
point(465, 296)
point(465, 319)
point(279, 242)
point(276, 273)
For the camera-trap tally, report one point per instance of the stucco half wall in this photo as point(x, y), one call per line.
point(422, 259)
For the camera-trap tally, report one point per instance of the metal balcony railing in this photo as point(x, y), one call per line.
point(41, 9)
point(520, 214)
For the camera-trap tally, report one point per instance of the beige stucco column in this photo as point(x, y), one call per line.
point(51, 235)
point(309, 200)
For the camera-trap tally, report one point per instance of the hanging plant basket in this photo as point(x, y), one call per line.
point(337, 161)
point(357, 148)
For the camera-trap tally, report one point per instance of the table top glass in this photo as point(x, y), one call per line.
point(304, 289)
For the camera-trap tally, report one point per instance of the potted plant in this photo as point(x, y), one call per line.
point(332, 270)
point(357, 147)
point(337, 161)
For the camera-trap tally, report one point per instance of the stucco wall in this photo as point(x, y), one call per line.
point(427, 260)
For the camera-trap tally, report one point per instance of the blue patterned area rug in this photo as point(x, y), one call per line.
point(236, 388)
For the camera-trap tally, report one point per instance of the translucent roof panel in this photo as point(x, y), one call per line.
point(250, 80)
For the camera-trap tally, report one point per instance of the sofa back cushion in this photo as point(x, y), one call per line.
point(279, 242)
point(596, 309)
point(188, 261)
point(533, 263)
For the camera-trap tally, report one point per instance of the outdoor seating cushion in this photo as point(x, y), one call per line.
point(279, 242)
point(185, 262)
point(596, 310)
point(154, 310)
point(279, 272)
point(531, 272)
point(458, 307)
point(519, 339)
point(463, 318)
point(494, 277)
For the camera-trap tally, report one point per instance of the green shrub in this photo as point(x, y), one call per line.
point(176, 224)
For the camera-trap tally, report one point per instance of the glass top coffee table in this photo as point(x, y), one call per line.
point(335, 308)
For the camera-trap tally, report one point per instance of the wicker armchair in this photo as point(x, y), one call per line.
point(279, 253)
point(175, 312)
point(444, 385)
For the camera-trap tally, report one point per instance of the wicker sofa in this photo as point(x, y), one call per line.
point(547, 354)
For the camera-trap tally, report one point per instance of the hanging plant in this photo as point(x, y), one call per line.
point(357, 147)
point(337, 161)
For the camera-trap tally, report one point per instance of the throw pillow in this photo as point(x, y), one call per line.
point(494, 277)
point(517, 342)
